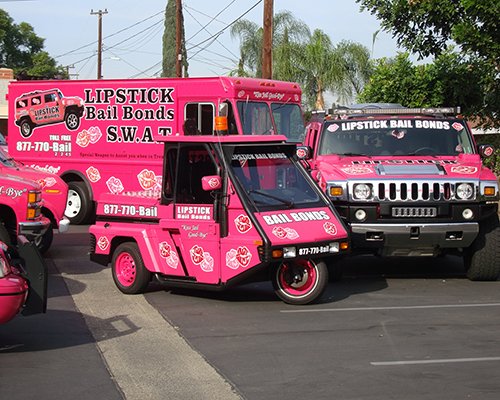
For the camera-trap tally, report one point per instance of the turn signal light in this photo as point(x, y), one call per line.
point(336, 191)
point(344, 245)
point(489, 191)
point(277, 253)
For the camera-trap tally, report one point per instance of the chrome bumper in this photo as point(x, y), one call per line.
point(33, 229)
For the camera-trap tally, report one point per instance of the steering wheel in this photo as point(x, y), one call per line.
point(428, 150)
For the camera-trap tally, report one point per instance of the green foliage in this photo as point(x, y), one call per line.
point(22, 50)
point(169, 58)
point(426, 27)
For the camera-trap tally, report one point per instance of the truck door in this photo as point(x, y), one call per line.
point(198, 232)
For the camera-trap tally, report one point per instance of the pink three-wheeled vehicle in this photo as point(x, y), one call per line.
point(233, 209)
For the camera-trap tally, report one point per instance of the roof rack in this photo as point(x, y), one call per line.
point(395, 111)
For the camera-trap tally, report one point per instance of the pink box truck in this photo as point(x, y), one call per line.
point(98, 135)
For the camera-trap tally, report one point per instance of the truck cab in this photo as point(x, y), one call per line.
point(408, 182)
point(231, 209)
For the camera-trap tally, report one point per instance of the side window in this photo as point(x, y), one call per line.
point(21, 103)
point(199, 119)
point(50, 97)
point(35, 101)
point(195, 162)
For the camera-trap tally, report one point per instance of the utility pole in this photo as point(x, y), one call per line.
point(99, 14)
point(178, 38)
point(267, 41)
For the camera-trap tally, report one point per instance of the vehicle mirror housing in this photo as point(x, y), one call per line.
point(211, 182)
point(304, 152)
point(486, 150)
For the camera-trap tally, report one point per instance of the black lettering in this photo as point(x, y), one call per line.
point(111, 133)
point(147, 137)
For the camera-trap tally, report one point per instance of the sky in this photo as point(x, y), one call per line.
point(132, 31)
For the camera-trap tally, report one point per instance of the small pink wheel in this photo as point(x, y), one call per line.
point(300, 281)
point(129, 273)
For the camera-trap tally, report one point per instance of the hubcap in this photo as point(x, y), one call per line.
point(73, 205)
point(125, 269)
point(297, 278)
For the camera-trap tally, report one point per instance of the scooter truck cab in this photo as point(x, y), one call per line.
point(232, 209)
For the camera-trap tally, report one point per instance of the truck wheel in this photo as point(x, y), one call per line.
point(79, 205)
point(26, 128)
point(72, 120)
point(4, 234)
point(482, 259)
point(129, 273)
point(300, 282)
point(44, 241)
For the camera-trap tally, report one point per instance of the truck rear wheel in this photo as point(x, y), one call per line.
point(79, 206)
point(482, 259)
point(129, 273)
point(26, 128)
point(301, 281)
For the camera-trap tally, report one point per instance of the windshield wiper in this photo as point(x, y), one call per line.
point(288, 203)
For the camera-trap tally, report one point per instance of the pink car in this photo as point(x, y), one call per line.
point(23, 281)
point(409, 182)
point(231, 209)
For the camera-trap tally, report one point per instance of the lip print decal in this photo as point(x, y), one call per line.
point(243, 256)
point(357, 170)
point(463, 169)
point(94, 134)
point(47, 182)
point(243, 223)
point(207, 264)
point(196, 254)
point(457, 126)
point(240, 257)
point(147, 179)
point(115, 185)
point(283, 233)
point(83, 138)
point(301, 153)
point(332, 128)
point(330, 228)
point(93, 174)
point(169, 255)
point(103, 243)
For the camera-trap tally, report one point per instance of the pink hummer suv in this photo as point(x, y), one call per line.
point(408, 182)
point(47, 107)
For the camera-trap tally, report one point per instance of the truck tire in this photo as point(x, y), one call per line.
point(482, 259)
point(26, 128)
point(129, 273)
point(44, 241)
point(300, 282)
point(72, 120)
point(79, 206)
point(4, 234)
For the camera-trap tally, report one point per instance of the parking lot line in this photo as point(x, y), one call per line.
point(438, 361)
point(313, 310)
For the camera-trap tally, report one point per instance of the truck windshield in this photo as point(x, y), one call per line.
point(6, 160)
point(283, 119)
point(272, 179)
point(396, 137)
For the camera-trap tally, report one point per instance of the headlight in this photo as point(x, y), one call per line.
point(465, 191)
point(362, 191)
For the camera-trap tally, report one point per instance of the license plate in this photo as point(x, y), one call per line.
point(314, 250)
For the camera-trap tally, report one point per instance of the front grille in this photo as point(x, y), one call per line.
point(414, 212)
point(412, 191)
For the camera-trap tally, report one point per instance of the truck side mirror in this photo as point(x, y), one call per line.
point(211, 182)
point(303, 152)
point(486, 150)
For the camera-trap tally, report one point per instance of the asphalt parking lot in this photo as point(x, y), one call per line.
point(391, 329)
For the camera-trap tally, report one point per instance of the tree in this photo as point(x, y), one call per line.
point(169, 59)
point(426, 28)
point(22, 50)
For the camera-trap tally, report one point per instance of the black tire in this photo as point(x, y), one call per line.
point(482, 259)
point(4, 235)
point(79, 206)
point(129, 273)
point(26, 128)
point(44, 241)
point(72, 120)
point(300, 282)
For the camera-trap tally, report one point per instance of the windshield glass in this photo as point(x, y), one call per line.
point(285, 119)
point(6, 160)
point(272, 179)
point(396, 137)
